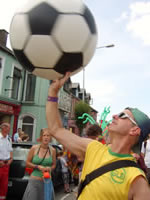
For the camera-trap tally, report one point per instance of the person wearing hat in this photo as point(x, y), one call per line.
point(127, 130)
point(6, 158)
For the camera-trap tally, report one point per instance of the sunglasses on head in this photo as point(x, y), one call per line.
point(123, 115)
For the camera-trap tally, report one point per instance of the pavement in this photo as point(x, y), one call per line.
point(70, 196)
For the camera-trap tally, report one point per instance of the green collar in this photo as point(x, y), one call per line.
point(119, 154)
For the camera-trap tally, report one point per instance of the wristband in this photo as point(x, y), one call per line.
point(52, 99)
point(36, 167)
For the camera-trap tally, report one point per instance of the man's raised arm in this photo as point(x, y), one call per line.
point(73, 143)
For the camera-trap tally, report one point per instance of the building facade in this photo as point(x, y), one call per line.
point(23, 96)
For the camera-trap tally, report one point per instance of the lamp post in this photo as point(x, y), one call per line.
point(106, 46)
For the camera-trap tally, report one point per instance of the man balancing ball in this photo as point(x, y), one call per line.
point(127, 130)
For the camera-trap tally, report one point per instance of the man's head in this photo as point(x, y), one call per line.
point(5, 128)
point(94, 131)
point(135, 123)
point(143, 122)
point(19, 130)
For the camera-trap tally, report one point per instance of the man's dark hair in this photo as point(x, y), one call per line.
point(94, 130)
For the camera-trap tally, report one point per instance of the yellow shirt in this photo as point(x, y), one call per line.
point(113, 185)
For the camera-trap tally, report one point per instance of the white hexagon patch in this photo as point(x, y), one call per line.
point(49, 74)
point(19, 31)
point(67, 6)
point(42, 51)
point(71, 32)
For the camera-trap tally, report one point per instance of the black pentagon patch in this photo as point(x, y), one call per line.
point(42, 19)
point(90, 20)
point(69, 62)
point(23, 60)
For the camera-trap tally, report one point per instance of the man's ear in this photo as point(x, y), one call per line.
point(135, 131)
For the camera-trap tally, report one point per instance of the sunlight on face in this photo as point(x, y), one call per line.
point(46, 137)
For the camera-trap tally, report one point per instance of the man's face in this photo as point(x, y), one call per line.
point(122, 123)
point(5, 130)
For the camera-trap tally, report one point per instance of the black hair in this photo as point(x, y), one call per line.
point(94, 130)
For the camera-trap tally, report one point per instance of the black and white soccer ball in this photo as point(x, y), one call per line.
point(51, 37)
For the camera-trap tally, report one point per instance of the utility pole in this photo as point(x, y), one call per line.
point(107, 46)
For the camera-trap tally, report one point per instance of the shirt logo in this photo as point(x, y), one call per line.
point(118, 176)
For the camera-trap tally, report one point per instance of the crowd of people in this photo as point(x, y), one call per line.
point(128, 140)
point(20, 136)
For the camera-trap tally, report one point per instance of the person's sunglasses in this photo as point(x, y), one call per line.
point(123, 115)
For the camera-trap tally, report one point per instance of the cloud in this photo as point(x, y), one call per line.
point(139, 20)
point(104, 90)
point(123, 16)
point(140, 28)
point(140, 9)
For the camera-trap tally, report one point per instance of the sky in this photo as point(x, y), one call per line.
point(118, 77)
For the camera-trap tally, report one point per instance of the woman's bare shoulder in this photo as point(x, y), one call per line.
point(35, 147)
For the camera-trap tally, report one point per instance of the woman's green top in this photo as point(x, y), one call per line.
point(47, 162)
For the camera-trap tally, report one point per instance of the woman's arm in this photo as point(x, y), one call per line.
point(30, 157)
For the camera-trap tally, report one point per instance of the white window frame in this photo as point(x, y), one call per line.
point(1, 72)
point(25, 88)
point(11, 81)
point(20, 123)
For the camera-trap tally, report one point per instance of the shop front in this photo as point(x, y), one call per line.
point(9, 112)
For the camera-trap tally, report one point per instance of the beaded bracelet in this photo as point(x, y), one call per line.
point(52, 99)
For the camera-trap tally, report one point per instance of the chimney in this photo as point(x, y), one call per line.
point(3, 37)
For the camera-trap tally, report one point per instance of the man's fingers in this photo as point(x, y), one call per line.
point(67, 75)
point(62, 80)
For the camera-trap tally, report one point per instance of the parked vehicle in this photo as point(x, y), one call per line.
point(19, 174)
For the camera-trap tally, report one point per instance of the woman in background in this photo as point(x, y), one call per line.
point(41, 158)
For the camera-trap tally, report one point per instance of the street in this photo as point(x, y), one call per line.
point(60, 195)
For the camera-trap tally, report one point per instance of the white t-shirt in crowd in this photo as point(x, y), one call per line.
point(147, 153)
point(63, 165)
point(5, 147)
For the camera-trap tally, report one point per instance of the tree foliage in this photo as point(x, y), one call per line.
point(80, 108)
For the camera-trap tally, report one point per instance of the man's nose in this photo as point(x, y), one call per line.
point(115, 116)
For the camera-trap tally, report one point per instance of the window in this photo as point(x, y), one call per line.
point(28, 125)
point(16, 83)
point(30, 87)
point(67, 85)
point(1, 72)
point(0, 66)
point(0, 62)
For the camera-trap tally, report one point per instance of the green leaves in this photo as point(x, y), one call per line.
point(80, 108)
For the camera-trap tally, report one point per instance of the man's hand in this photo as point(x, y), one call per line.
point(9, 161)
point(57, 84)
point(2, 163)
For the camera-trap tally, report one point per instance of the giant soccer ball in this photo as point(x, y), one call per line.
point(51, 37)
